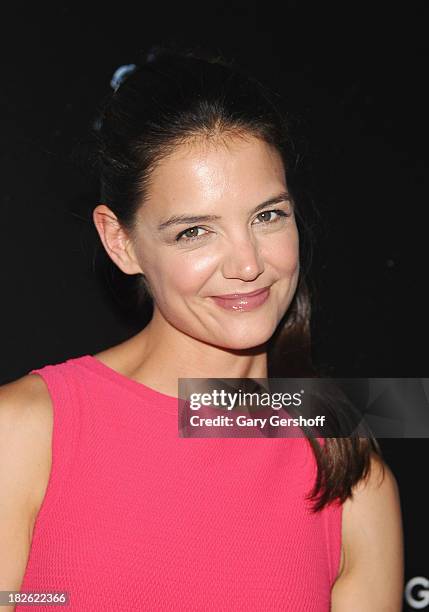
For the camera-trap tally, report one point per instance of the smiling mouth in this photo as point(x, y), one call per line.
point(243, 302)
point(234, 296)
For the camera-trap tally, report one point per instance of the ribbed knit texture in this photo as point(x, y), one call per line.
point(137, 518)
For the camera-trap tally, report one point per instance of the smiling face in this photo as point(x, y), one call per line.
point(248, 246)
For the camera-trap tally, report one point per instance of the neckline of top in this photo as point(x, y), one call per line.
point(169, 403)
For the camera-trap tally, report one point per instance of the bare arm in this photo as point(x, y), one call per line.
point(25, 434)
point(373, 574)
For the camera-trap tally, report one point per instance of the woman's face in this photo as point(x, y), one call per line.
point(245, 248)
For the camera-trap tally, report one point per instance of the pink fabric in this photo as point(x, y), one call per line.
point(136, 518)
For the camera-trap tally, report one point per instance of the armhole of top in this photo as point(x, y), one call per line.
point(332, 517)
point(65, 409)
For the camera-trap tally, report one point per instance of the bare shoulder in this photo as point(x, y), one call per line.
point(26, 420)
point(372, 572)
point(26, 423)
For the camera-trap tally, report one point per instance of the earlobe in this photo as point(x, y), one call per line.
point(117, 243)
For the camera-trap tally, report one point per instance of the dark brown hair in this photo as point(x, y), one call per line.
point(171, 97)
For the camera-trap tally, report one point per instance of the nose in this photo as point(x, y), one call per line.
point(243, 260)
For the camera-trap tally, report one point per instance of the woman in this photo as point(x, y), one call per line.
point(197, 199)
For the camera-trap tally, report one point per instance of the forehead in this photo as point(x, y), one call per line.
point(212, 172)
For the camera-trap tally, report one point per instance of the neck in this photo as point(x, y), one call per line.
point(160, 354)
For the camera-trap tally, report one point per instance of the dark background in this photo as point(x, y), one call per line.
point(356, 75)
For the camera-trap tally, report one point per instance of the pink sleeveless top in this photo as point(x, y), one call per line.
point(136, 518)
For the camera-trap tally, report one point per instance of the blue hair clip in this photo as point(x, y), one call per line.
point(119, 75)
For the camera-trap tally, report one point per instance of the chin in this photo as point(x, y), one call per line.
point(247, 340)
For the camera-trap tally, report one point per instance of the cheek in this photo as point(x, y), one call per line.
point(283, 255)
point(183, 274)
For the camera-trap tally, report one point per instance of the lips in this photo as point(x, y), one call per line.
point(242, 302)
point(234, 296)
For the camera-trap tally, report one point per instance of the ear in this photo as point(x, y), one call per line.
point(115, 240)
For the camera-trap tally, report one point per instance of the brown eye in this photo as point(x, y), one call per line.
point(267, 219)
point(267, 213)
point(193, 234)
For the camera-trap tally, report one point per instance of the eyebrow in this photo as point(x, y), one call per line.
point(179, 219)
